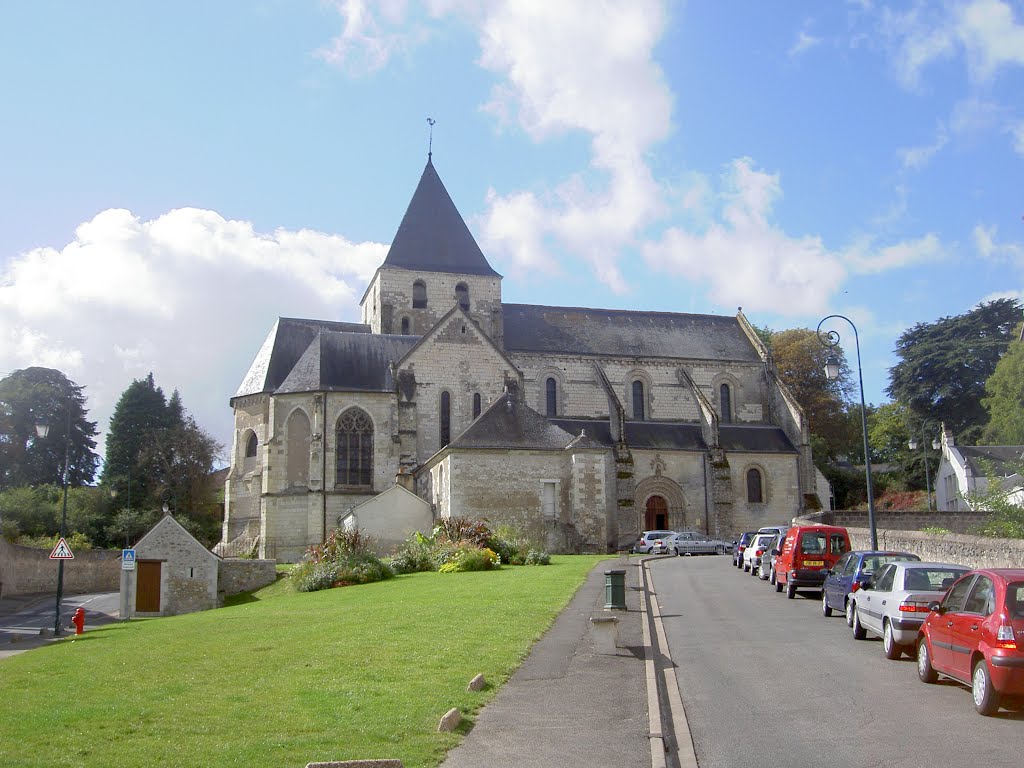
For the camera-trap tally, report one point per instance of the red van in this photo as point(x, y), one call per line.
point(806, 555)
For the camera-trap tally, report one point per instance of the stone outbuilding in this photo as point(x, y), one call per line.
point(174, 573)
point(391, 517)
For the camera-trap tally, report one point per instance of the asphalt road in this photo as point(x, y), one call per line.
point(22, 619)
point(770, 681)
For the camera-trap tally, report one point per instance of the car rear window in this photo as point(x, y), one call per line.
point(931, 579)
point(812, 543)
point(1015, 599)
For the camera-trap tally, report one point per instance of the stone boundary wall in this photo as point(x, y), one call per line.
point(236, 576)
point(957, 548)
point(902, 519)
point(27, 570)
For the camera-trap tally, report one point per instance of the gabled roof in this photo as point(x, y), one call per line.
point(287, 342)
point(510, 424)
point(1004, 459)
point(442, 325)
point(338, 361)
point(576, 330)
point(433, 237)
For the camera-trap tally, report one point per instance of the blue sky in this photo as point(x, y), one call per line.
point(176, 176)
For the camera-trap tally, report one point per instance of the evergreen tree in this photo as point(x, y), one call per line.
point(140, 412)
point(944, 365)
point(38, 394)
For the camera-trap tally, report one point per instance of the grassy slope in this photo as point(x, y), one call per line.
point(342, 674)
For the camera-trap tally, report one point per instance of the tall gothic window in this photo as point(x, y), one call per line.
point(638, 400)
point(755, 492)
point(462, 296)
point(355, 449)
point(251, 445)
point(419, 295)
point(405, 326)
point(446, 419)
point(551, 396)
point(476, 405)
point(726, 403)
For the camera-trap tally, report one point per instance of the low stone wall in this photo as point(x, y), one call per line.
point(957, 548)
point(237, 576)
point(903, 519)
point(27, 570)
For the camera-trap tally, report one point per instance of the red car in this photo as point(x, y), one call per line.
point(976, 635)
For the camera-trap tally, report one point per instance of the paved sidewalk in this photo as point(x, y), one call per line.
point(567, 705)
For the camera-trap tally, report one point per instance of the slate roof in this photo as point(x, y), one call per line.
point(287, 342)
point(621, 333)
point(337, 361)
point(1005, 459)
point(683, 436)
point(433, 237)
point(510, 424)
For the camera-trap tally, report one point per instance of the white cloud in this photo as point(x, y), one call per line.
point(804, 42)
point(987, 247)
point(915, 158)
point(866, 259)
point(129, 296)
point(367, 42)
point(1017, 132)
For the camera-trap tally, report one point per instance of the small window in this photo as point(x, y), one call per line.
point(405, 326)
point(638, 400)
point(886, 578)
point(755, 493)
point(551, 396)
point(954, 600)
point(981, 598)
point(462, 296)
point(725, 402)
point(251, 445)
point(419, 295)
point(549, 499)
point(476, 405)
point(838, 543)
point(446, 419)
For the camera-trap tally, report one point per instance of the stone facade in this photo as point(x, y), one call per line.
point(582, 427)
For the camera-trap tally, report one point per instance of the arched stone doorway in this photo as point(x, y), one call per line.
point(656, 514)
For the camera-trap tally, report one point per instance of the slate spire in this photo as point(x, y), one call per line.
point(433, 236)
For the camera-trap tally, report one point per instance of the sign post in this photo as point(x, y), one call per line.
point(127, 559)
point(62, 551)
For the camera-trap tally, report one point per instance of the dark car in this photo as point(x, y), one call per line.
point(741, 544)
point(853, 568)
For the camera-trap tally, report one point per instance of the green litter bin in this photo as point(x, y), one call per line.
point(615, 589)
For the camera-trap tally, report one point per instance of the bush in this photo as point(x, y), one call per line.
point(413, 556)
point(344, 559)
point(469, 558)
point(533, 557)
point(475, 532)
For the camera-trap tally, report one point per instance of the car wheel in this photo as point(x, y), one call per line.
point(826, 609)
point(746, 567)
point(986, 698)
point(778, 585)
point(791, 590)
point(753, 570)
point(889, 645)
point(925, 671)
point(859, 633)
point(720, 549)
point(771, 575)
point(849, 613)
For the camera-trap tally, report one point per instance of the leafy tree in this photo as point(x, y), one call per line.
point(1005, 399)
point(27, 397)
point(800, 361)
point(1003, 500)
point(944, 365)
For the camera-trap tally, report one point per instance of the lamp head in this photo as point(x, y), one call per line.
point(912, 444)
point(832, 368)
point(42, 427)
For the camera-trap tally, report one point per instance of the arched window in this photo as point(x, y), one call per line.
point(251, 445)
point(419, 295)
point(551, 396)
point(476, 405)
point(725, 403)
point(638, 400)
point(446, 419)
point(298, 449)
point(755, 491)
point(462, 296)
point(355, 449)
point(405, 326)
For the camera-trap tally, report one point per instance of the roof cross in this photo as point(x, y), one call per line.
point(430, 145)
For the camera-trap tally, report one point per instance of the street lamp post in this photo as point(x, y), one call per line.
point(43, 429)
point(830, 340)
point(912, 445)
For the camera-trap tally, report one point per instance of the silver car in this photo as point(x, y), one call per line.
point(893, 603)
point(696, 543)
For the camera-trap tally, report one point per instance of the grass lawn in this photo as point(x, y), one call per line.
point(284, 678)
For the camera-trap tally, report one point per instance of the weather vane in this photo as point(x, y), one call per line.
point(430, 144)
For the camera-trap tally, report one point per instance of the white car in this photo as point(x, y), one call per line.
point(756, 548)
point(893, 603)
point(650, 539)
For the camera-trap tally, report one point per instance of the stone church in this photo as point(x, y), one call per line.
point(581, 427)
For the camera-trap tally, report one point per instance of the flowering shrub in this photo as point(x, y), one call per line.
point(345, 558)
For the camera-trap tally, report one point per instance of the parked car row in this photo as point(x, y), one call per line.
point(966, 624)
point(680, 543)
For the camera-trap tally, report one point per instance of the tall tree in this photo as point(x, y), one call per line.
point(140, 412)
point(944, 365)
point(1005, 399)
point(32, 395)
point(800, 361)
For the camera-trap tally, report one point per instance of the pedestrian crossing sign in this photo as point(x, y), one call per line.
point(127, 559)
point(62, 551)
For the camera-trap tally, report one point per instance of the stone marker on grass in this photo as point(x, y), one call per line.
point(477, 683)
point(450, 721)
point(357, 764)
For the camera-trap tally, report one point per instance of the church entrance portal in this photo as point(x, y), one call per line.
point(656, 516)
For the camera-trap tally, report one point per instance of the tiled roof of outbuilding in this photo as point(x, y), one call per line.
point(433, 237)
point(1004, 459)
point(508, 423)
point(684, 436)
point(580, 331)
